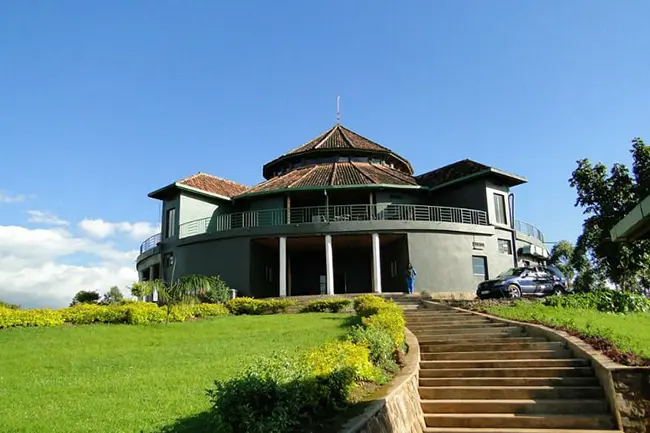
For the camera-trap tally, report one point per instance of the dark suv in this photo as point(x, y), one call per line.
point(524, 281)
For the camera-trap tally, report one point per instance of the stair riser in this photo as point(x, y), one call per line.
point(507, 372)
point(520, 422)
point(467, 356)
point(509, 381)
point(561, 407)
point(428, 317)
point(428, 365)
point(444, 393)
point(423, 336)
point(488, 347)
point(481, 339)
point(458, 328)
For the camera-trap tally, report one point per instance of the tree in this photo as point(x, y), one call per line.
point(176, 293)
point(140, 289)
point(561, 254)
point(85, 297)
point(606, 199)
point(113, 297)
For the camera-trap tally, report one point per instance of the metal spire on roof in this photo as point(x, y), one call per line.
point(338, 110)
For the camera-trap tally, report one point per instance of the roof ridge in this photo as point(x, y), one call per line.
point(308, 141)
point(391, 171)
point(331, 181)
point(365, 138)
point(329, 134)
point(345, 138)
point(299, 179)
point(193, 176)
point(354, 164)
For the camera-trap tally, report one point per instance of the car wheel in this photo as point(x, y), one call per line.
point(557, 291)
point(514, 291)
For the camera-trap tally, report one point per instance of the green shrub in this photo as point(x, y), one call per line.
point(274, 394)
point(142, 313)
point(251, 306)
point(333, 355)
point(380, 344)
point(84, 314)
point(611, 301)
point(369, 305)
point(212, 290)
point(10, 317)
point(207, 310)
point(391, 321)
point(326, 305)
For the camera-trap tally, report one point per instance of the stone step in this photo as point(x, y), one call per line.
point(504, 363)
point(598, 406)
point(449, 322)
point(509, 392)
point(524, 354)
point(489, 338)
point(504, 371)
point(509, 381)
point(511, 430)
point(456, 328)
point(424, 314)
point(504, 346)
point(483, 420)
point(513, 331)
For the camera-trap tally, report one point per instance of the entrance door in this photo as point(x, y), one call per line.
point(340, 281)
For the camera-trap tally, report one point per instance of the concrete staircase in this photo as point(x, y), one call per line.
point(478, 375)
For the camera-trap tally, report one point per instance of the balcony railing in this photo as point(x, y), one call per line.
point(339, 213)
point(528, 229)
point(150, 243)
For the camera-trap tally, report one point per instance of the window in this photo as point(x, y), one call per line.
point(269, 274)
point(168, 260)
point(171, 223)
point(393, 269)
point(479, 266)
point(323, 284)
point(500, 208)
point(505, 247)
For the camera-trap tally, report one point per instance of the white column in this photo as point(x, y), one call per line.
point(329, 265)
point(376, 264)
point(283, 266)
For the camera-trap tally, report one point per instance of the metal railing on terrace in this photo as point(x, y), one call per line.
point(338, 213)
point(150, 243)
point(528, 229)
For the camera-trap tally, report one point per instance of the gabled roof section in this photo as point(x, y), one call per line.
point(465, 170)
point(203, 183)
point(337, 174)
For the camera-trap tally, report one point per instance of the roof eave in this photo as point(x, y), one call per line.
point(161, 193)
point(321, 188)
point(511, 179)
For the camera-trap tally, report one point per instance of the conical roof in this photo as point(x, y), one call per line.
point(342, 141)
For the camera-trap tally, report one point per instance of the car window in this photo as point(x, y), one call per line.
point(555, 271)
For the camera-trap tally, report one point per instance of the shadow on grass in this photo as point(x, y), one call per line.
point(199, 423)
point(347, 322)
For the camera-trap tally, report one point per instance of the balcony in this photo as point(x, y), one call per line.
point(339, 213)
point(528, 229)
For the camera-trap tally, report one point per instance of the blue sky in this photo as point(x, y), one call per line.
point(103, 102)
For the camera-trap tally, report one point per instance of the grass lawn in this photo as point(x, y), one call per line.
point(627, 332)
point(121, 378)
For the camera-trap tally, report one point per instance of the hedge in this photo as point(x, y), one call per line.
point(285, 394)
point(252, 306)
point(134, 313)
point(334, 305)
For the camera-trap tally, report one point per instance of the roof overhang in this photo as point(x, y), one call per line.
point(533, 251)
point(504, 177)
point(328, 188)
point(635, 225)
point(164, 192)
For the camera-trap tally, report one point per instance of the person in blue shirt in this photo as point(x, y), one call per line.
point(410, 278)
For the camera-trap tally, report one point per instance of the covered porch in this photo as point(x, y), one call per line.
point(328, 264)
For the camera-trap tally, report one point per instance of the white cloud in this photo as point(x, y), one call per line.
point(6, 198)
point(40, 267)
point(44, 217)
point(100, 229)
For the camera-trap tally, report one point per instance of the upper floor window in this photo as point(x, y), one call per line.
point(170, 223)
point(500, 208)
point(505, 246)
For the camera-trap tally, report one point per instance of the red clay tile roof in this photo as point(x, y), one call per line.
point(214, 184)
point(335, 174)
point(339, 137)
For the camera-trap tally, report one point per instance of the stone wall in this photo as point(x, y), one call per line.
point(632, 388)
point(398, 410)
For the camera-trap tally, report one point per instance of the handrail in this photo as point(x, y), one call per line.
point(337, 213)
point(150, 243)
point(528, 229)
